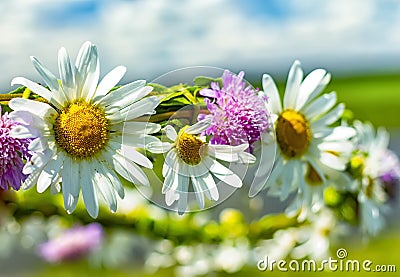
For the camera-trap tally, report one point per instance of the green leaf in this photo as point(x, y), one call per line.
point(203, 81)
point(172, 95)
point(18, 90)
point(157, 88)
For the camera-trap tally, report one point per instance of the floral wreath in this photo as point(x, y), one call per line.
point(188, 146)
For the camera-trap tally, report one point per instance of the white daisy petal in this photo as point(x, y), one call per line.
point(134, 140)
point(141, 128)
point(171, 196)
point(109, 81)
point(70, 184)
point(83, 62)
point(199, 127)
point(55, 187)
point(293, 85)
point(38, 89)
point(288, 178)
point(224, 174)
point(275, 173)
point(88, 192)
point(115, 181)
point(92, 77)
point(38, 108)
point(135, 110)
point(23, 132)
point(133, 91)
point(320, 106)
point(31, 120)
point(31, 180)
point(332, 161)
point(82, 59)
point(47, 177)
point(231, 153)
point(166, 169)
point(104, 186)
point(169, 181)
point(48, 77)
point(334, 146)
point(382, 138)
point(183, 187)
point(37, 161)
point(133, 155)
point(172, 161)
point(67, 74)
point(246, 158)
point(263, 171)
point(158, 147)
point(311, 86)
point(340, 133)
point(269, 87)
point(170, 132)
point(128, 169)
point(199, 192)
point(38, 145)
point(207, 181)
point(328, 118)
point(184, 168)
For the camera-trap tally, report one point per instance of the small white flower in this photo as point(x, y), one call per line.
point(309, 151)
point(81, 136)
point(191, 158)
point(376, 166)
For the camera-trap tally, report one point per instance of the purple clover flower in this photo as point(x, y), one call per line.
point(12, 153)
point(238, 113)
point(72, 244)
point(389, 173)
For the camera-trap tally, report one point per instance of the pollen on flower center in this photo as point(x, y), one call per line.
point(293, 133)
point(81, 129)
point(190, 148)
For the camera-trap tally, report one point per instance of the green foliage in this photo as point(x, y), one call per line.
point(203, 81)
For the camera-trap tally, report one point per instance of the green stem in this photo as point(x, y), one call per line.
point(189, 114)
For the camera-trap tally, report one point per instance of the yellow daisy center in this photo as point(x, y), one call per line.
point(81, 129)
point(293, 133)
point(191, 148)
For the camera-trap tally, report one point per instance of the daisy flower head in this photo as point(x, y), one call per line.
point(190, 159)
point(308, 148)
point(13, 152)
point(376, 170)
point(83, 134)
point(236, 110)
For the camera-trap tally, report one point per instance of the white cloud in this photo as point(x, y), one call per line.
point(152, 37)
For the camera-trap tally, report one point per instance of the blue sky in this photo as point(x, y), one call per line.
point(154, 37)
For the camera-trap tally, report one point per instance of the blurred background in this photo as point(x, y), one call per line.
point(358, 41)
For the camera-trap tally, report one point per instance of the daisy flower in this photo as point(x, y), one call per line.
point(84, 134)
point(375, 167)
point(191, 158)
point(237, 111)
point(309, 150)
point(72, 244)
point(13, 152)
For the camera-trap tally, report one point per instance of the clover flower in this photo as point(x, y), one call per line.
point(12, 153)
point(237, 111)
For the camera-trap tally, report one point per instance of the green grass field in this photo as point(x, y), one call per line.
point(372, 98)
